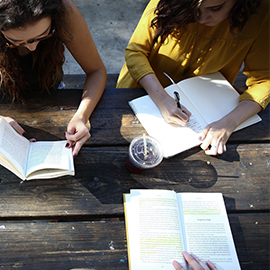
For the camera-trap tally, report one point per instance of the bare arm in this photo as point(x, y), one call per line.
point(167, 105)
point(84, 51)
point(217, 133)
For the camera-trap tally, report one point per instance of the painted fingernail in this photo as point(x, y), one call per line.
point(67, 145)
point(24, 134)
point(200, 138)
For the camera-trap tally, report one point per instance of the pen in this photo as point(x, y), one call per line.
point(177, 99)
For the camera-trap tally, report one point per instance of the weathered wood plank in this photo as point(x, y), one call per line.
point(63, 246)
point(70, 245)
point(112, 123)
point(241, 174)
point(76, 81)
point(251, 237)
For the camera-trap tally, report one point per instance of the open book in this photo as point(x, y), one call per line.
point(208, 97)
point(161, 224)
point(33, 160)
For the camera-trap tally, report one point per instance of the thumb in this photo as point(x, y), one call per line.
point(204, 133)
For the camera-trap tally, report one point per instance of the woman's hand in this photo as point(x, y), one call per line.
point(195, 263)
point(172, 114)
point(84, 51)
point(77, 134)
point(215, 136)
point(166, 104)
point(17, 127)
point(217, 133)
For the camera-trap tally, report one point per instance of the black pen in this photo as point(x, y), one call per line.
point(177, 99)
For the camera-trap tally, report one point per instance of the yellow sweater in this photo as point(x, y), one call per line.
point(204, 50)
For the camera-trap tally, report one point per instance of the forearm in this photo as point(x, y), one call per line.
point(244, 110)
point(154, 88)
point(93, 89)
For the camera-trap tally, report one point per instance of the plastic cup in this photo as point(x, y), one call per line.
point(139, 159)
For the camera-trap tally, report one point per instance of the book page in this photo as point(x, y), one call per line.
point(154, 230)
point(213, 96)
point(207, 229)
point(14, 147)
point(173, 139)
point(48, 155)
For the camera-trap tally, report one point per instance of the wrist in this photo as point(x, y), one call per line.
point(84, 111)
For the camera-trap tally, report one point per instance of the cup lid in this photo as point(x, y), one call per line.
point(145, 159)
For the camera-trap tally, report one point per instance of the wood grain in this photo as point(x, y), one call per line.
point(102, 245)
point(241, 174)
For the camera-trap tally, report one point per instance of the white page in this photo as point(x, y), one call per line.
point(207, 229)
point(173, 139)
point(48, 155)
point(14, 147)
point(154, 242)
point(206, 103)
point(213, 96)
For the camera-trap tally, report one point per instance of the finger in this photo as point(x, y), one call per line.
point(199, 262)
point(70, 142)
point(186, 111)
point(204, 133)
point(207, 142)
point(16, 126)
point(183, 115)
point(193, 261)
point(177, 265)
point(211, 265)
point(216, 148)
point(76, 148)
point(176, 121)
point(77, 135)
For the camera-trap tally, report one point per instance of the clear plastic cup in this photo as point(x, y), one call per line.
point(141, 158)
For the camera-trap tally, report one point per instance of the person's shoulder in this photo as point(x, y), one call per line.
point(69, 5)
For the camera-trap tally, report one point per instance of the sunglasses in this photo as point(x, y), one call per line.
point(11, 45)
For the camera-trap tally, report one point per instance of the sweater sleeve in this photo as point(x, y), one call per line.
point(140, 45)
point(257, 68)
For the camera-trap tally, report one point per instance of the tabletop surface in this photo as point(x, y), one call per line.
point(78, 221)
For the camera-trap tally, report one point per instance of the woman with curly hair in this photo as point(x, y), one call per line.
point(186, 38)
point(33, 36)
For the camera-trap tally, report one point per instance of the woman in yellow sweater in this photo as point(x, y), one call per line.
point(186, 38)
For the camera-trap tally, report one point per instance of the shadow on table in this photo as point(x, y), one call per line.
point(108, 182)
point(40, 134)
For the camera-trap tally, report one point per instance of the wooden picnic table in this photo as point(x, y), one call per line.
point(78, 221)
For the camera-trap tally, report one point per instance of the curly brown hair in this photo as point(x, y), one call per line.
point(172, 14)
point(48, 58)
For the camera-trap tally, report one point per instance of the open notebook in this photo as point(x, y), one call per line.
point(208, 97)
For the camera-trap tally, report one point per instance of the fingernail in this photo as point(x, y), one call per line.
point(200, 138)
point(24, 134)
point(67, 145)
point(74, 155)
